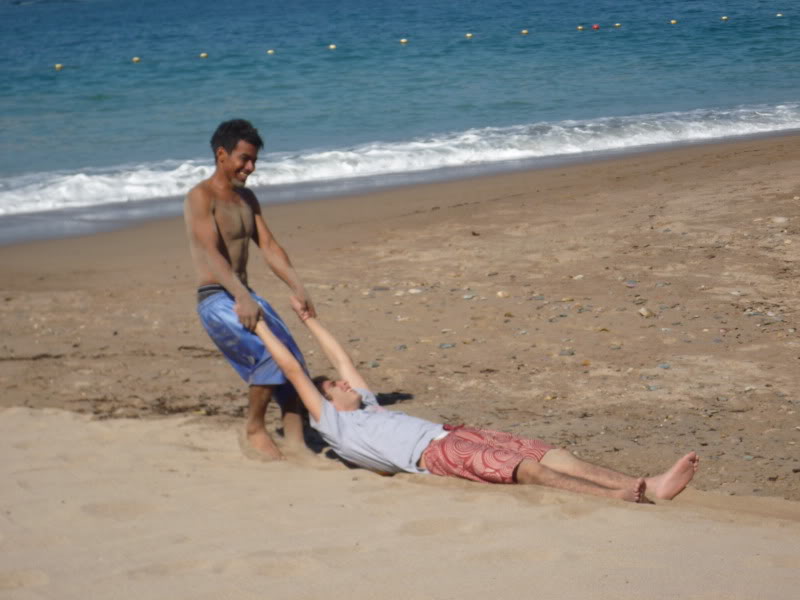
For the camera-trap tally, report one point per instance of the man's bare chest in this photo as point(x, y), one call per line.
point(234, 220)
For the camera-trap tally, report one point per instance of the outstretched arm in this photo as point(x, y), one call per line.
point(277, 259)
point(294, 372)
point(337, 355)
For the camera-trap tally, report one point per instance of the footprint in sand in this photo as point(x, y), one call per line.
point(516, 554)
point(280, 564)
point(165, 569)
point(121, 510)
point(22, 578)
point(293, 566)
point(426, 527)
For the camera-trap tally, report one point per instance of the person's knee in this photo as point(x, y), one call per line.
point(260, 394)
point(529, 471)
point(557, 456)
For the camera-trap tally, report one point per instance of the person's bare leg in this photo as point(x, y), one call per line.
point(665, 486)
point(292, 418)
point(255, 429)
point(671, 482)
point(567, 463)
point(532, 472)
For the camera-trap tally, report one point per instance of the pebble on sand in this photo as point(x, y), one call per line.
point(646, 312)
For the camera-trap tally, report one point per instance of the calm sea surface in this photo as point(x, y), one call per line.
point(104, 136)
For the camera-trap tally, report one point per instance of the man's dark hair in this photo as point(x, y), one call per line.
point(230, 132)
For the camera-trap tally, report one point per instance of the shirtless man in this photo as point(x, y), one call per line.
point(222, 218)
point(348, 417)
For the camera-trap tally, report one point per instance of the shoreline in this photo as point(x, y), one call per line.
point(90, 220)
point(704, 238)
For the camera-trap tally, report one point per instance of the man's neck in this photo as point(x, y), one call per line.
point(222, 183)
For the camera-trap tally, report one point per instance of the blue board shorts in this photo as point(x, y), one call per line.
point(244, 349)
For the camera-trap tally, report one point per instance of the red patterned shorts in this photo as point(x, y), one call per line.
point(481, 454)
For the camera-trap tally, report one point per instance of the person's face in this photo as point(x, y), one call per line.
point(341, 395)
point(239, 164)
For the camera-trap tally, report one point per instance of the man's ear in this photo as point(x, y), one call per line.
point(220, 153)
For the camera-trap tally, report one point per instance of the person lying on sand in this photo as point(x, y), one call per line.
point(347, 415)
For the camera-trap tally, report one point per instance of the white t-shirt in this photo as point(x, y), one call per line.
point(376, 438)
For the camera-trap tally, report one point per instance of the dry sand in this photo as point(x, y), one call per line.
point(628, 309)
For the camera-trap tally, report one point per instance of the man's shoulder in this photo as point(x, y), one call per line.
point(201, 191)
point(249, 197)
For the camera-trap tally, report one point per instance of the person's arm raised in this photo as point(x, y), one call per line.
point(336, 354)
point(294, 372)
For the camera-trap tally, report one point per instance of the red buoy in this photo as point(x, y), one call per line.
point(595, 26)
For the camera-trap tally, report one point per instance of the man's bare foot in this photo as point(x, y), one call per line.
point(672, 482)
point(257, 444)
point(635, 493)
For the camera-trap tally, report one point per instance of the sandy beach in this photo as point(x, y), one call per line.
point(629, 309)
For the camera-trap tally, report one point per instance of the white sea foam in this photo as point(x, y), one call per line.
point(56, 190)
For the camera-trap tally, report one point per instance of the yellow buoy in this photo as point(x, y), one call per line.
point(724, 18)
point(468, 36)
point(524, 32)
point(331, 46)
point(673, 22)
point(204, 55)
point(617, 24)
point(403, 41)
point(58, 66)
point(136, 59)
point(270, 51)
point(580, 27)
point(779, 15)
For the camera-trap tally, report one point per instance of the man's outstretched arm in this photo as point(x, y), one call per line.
point(277, 259)
point(294, 372)
point(336, 354)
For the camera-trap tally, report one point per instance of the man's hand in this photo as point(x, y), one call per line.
point(301, 308)
point(248, 312)
point(306, 304)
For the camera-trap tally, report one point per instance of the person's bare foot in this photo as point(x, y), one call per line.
point(635, 493)
point(256, 443)
point(672, 482)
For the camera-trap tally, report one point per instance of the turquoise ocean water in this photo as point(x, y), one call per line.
point(105, 140)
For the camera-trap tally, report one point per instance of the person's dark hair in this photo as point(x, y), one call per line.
point(318, 381)
point(230, 132)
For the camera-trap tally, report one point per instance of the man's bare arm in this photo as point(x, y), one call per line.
point(204, 240)
point(294, 372)
point(334, 351)
point(277, 259)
